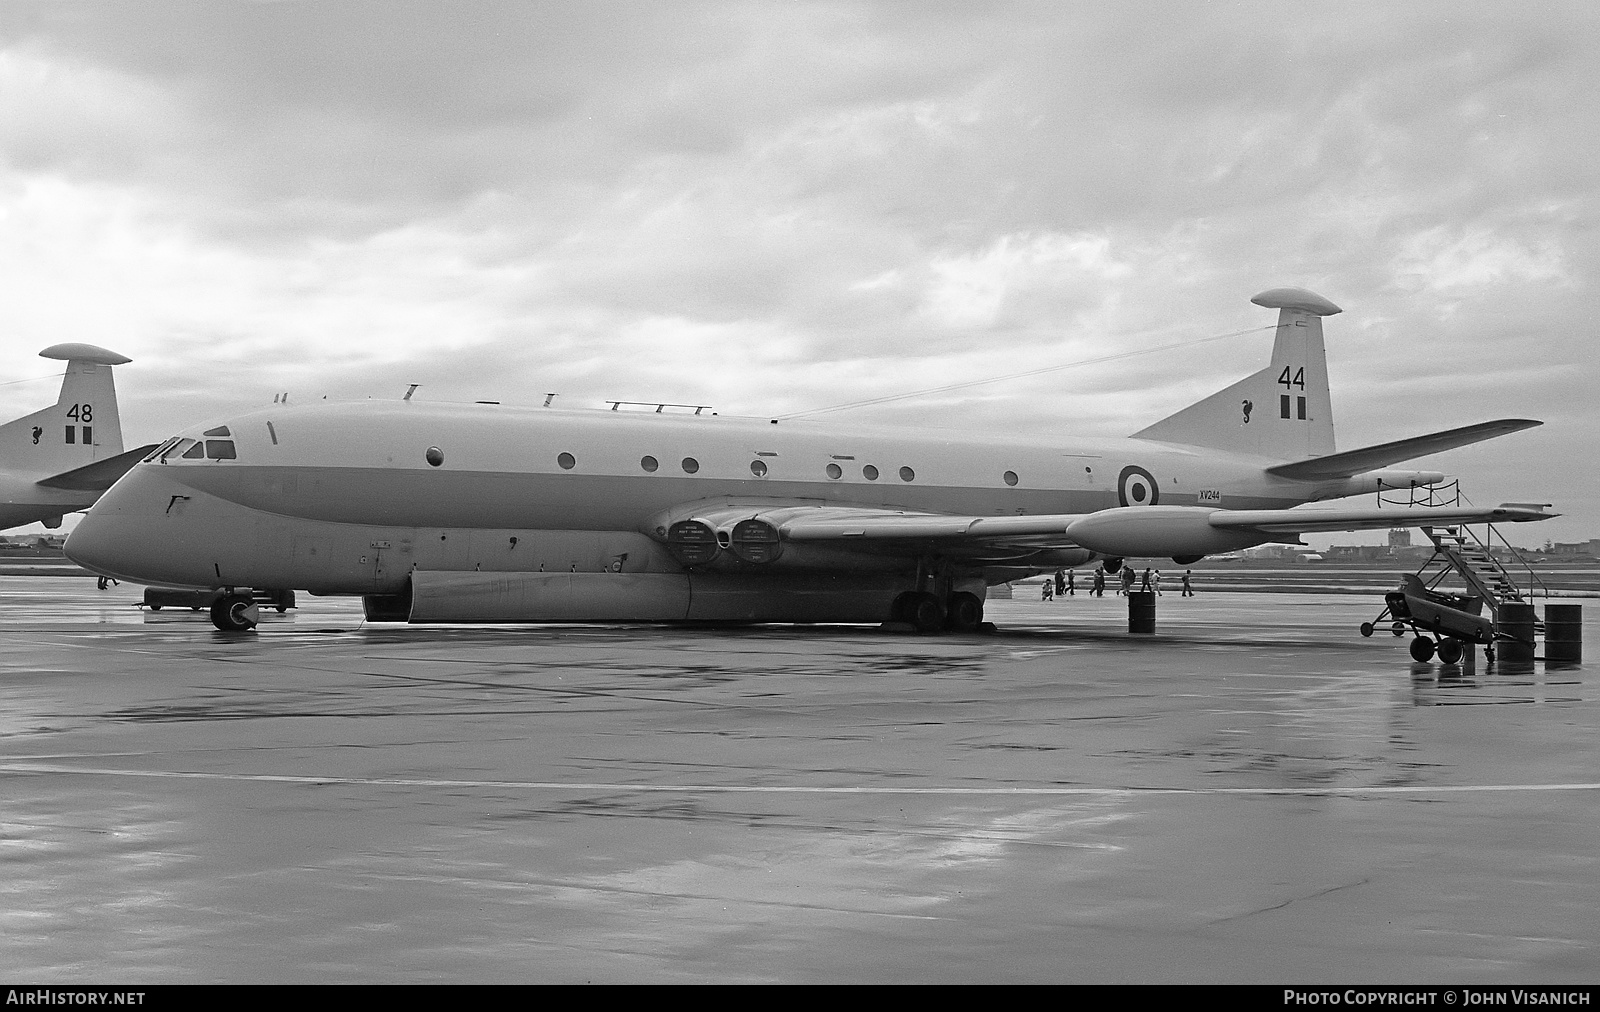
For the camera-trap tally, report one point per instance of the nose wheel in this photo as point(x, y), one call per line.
point(235, 613)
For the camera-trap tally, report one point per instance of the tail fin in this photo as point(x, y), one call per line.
point(81, 428)
point(1284, 411)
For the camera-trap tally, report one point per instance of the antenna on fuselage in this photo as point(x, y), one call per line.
point(410, 390)
point(548, 398)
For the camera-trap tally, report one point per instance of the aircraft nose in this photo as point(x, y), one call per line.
point(97, 545)
point(121, 536)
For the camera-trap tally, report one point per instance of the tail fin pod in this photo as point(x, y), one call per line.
point(1284, 411)
point(80, 428)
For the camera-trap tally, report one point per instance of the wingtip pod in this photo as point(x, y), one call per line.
point(84, 353)
point(1296, 298)
point(1521, 512)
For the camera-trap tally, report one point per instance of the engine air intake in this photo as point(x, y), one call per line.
point(692, 543)
point(756, 541)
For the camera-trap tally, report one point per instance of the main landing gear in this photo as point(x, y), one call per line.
point(235, 612)
point(926, 613)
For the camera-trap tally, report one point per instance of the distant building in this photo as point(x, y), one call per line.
point(1590, 548)
point(1400, 537)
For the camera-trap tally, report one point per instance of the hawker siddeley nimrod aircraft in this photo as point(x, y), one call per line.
point(483, 513)
point(59, 459)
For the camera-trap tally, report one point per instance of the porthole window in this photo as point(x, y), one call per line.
point(567, 461)
point(906, 474)
point(834, 471)
point(1011, 477)
point(758, 468)
point(870, 473)
point(649, 464)
point(690, 465)
point(434, 456)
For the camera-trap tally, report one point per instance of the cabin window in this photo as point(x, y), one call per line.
point(834, 471)
point(220, 449)
point(567, 461)
point(1010, 477)
point(870, 473)
point(649, 464)
point(221, 430)
point(758, 468)
point(195, 452)
point(690, 465)
point(434, 456)
point(906, 474)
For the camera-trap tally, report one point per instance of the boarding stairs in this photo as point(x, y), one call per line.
point(1461, 551)
point(1451, 613)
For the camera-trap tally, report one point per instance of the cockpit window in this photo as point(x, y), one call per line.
point(221, 430)
point(220, 449)
point(176, 446)
point(161, 450)
point(195, 452)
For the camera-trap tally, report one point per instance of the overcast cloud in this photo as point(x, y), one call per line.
point(776, 207)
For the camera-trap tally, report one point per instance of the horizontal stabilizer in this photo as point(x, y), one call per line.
point(1309, 520)
point(1369, 458)
point(100, 475)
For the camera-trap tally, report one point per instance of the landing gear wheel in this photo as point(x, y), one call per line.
point(965, 612)
point(927, 613)
point(1422, 650)
point(1367, 628)
point(234, 613)
point(1399, 629)
point(1450, 651)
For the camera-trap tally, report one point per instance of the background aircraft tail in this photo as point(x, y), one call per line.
point(1284, 411)
point(80, 428)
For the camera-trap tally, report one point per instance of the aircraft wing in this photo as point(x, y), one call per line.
point(1370, 458)
point(100, 475)
point(1306, 521)
point(1121, 532)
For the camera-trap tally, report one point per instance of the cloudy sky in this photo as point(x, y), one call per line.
point(774, 207)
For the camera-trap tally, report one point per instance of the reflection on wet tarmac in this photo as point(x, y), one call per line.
point(1255, 793)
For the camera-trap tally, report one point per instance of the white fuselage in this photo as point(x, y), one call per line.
point(341, 498)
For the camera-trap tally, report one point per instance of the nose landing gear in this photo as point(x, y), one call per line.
point(234, 612)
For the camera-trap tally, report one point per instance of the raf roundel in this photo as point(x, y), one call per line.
point(1137, 487)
